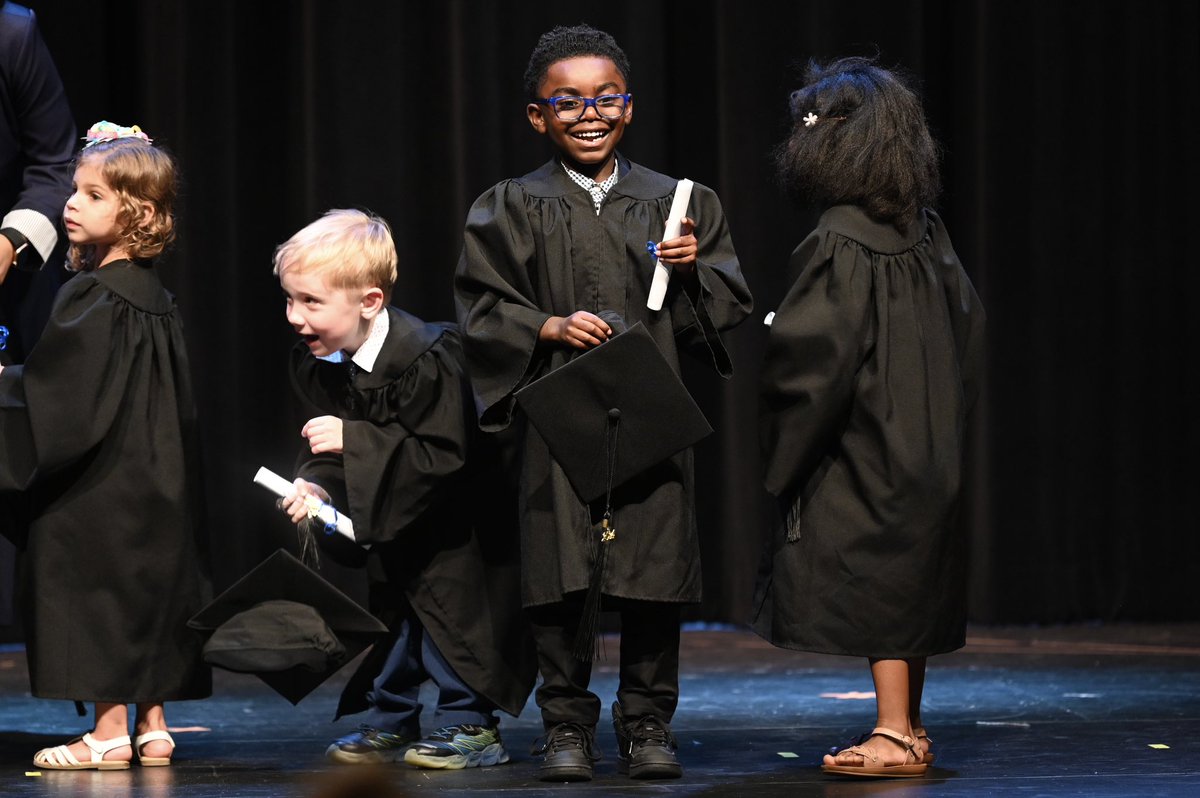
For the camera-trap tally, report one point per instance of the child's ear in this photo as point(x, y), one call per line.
point(533, 112)
point(147, 213)
point(372, 302)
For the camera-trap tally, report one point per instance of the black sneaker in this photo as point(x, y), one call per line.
point(369, 746)
point(458, 747)
point(645, 747)
point(568, 753)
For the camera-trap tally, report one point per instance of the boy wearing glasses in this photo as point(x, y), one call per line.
point(543, 255)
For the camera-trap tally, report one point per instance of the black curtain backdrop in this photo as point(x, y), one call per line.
point(1070, 189)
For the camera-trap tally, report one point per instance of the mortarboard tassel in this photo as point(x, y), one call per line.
point(310, 553)
point(587, 636)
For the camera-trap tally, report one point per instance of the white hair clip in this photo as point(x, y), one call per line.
point(810, 119)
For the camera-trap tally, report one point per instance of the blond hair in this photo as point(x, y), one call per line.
point(352, 249)
point(137, 172)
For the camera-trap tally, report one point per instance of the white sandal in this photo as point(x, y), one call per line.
point(152, 761)
point(60, 757)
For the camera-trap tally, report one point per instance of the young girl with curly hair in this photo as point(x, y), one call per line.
point(100, 457)
point(871, 368)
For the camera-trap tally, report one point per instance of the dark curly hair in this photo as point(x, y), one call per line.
point(562, 43)
point(138, 172)
point(869, 145)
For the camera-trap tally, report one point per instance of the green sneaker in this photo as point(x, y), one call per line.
point(368, 746)
point(458, 747)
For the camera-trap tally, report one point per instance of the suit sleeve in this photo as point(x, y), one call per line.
point(819, 338)
point(45, 131)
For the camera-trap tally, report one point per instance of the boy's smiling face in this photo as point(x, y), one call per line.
point(328, 319)
point(588, 144)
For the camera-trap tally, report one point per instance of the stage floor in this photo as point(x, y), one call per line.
point(1082, 710)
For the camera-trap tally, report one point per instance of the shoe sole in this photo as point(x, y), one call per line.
point(494, 754)
point(335, 754)
point(565, 774)
point(650, 770)
point(885, 772)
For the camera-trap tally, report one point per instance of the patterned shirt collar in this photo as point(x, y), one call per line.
point(598, 190)
point(366, 355)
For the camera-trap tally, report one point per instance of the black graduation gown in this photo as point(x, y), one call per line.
point(425, 488)
point(871, 367)
point(534, 247)
point(99, 432)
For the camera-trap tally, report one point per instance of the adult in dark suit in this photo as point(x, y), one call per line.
point(37, 143)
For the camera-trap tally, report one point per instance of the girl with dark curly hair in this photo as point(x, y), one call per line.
point(870, 370)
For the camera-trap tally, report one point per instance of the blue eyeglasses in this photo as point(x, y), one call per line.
point(570, 108)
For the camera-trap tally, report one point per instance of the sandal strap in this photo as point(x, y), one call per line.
point(904, 740)
point(58, 756)
point(865, 753)
point(151, 736)
point(102, 747)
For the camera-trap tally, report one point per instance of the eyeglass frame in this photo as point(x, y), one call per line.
point(588, 102)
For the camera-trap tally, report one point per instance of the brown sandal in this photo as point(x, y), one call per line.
point(912, 767)
point(928, 755)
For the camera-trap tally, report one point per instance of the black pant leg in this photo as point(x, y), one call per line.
point(649, 659)
point(563, 695)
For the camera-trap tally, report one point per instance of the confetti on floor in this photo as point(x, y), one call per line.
point(1160, 746)
point(1018, 724)
point(851, 696)
point(788, 755)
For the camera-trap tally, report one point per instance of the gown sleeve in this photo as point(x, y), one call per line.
point(718, 298)
point(820, 336)
point(494, 300)
point(407, 452)
point(62, 402)
point(967, 317)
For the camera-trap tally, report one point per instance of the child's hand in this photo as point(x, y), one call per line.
point(580, 330)
point(296, 505)
point(324, 434)
point(680, 252)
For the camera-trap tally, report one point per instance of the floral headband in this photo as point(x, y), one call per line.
point(110, 131)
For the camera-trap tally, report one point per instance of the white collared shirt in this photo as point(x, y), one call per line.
point(366, 355)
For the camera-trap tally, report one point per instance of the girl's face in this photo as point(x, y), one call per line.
point(329, 319)
point(91, 211)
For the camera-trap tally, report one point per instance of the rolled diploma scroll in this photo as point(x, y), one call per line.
point(662, 274)
point(326, 512)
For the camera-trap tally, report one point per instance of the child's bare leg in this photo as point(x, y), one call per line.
point(112, 720)
point(151, 717)
point(891, 677)
point(916, 688)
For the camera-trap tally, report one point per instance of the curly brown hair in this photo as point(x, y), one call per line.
point(138, 172)
point(859, 137)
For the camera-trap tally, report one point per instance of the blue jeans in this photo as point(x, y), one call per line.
point(394, 698)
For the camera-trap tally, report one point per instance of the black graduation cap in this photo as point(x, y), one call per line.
point(619, 408)
point(607, 416)
point(285, 624)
